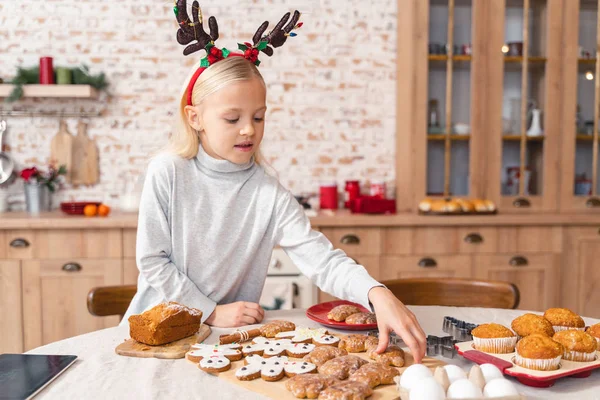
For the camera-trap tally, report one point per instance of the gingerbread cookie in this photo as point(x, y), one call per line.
point(358, 343)
point(272, 369)
point(326, 340)
point(361, 318)
point(375, 374)
point(199, 351)
point(340, 313)
point(302, 335)
point(322, 354)
point(393, 355)
point(349, 390)
point(271, 347)
point(309, 385)
point(342, 367)
point(272, 328)
point(214, 364)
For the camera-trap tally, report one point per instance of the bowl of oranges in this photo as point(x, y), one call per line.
point(87, 208)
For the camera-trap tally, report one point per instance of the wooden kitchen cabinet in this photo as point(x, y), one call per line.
point(580, 282)
point(536, 276)
point(11, 307)
point(55, 297)
point(425, 266)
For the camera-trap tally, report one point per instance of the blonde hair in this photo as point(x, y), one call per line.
point(185, 140)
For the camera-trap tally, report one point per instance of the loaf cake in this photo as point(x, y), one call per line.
point(164, 323)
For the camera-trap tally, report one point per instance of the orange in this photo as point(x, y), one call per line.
point(90, 210)
point(103, 210)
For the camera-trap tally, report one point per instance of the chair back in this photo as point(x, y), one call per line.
point(455, 292)
point(110, 300)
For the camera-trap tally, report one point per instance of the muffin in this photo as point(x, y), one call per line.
point(594, 330)
point(528, 324)
point(579, 346)
point(539, 352)
point(563, 319)
point(494, 338)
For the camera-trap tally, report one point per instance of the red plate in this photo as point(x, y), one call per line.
point(318, 313)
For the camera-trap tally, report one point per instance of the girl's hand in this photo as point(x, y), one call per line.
point(236, 314)
point(392, 315)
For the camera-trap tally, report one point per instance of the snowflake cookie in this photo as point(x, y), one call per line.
point(265, 347)
point(318, 337)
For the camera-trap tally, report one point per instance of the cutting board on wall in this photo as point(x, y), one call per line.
point(85, 158)
point(173, 350)
point(61, 149)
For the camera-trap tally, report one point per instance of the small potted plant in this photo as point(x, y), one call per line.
point(39, 187)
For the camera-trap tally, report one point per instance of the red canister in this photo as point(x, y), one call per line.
point(378, 189)
point(352, 191)
point(328, 196)
point(46, 71)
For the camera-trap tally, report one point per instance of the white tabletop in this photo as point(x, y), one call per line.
point(100, 373)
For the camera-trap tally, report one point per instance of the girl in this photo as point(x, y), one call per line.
point(210, 215)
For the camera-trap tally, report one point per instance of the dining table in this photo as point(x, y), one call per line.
point(99, 373)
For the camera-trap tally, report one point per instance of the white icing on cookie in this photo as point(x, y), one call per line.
point(269, 367)
point(206, 350)
point(268, 347)
point(300, 348)
point(214, 362)
point(302, 334)
point(326, 339)
point(299, 367)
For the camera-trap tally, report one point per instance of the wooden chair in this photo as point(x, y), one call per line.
point(110, 300)
point(455, 292)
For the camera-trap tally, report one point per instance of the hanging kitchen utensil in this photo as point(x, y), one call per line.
point(85, 158)
point(7, 165)
point(61, 149)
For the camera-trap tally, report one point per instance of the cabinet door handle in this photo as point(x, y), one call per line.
point(521, 203)
point(19, 243)
point(71, 267)
point(473, 238)
point(427, 263)
point(593, 202)
point(518, 261)
point(350, 239)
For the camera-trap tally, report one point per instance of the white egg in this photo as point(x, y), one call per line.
point(464, 389)
point(500, 388)
point(454, 373)
point(490, 372)
point(427, 389)
point(413, 374)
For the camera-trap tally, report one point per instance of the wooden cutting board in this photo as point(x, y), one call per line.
point(277, 390)
point(172, 350)
point(85, 158)
point(61, 149)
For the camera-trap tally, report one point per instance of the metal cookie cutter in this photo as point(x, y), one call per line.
point(441, 346)
point(460, 330)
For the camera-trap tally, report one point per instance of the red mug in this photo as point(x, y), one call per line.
point(328, 196)
point(46, 71)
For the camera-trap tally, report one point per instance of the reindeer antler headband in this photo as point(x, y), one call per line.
point(192, 31)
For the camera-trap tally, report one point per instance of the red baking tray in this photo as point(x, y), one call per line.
point(529, 377)
point(318, 313)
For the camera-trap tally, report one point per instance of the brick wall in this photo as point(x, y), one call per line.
point(331, 90)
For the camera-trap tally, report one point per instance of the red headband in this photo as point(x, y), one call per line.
point(193, 31)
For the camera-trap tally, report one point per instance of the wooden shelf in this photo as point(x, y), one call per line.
point(441, 137)
point(53, 91)
point(518, 59)
point(588, 61)
point(443, 57)
point(585, 138)
point(517, 138)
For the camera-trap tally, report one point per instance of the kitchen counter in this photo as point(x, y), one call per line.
point(59, 220)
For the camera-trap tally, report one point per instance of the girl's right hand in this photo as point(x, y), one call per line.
point(236, 314)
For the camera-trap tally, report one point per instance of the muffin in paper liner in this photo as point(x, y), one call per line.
point(495, 345)
point(548, 364)
point(566, 328)
point(579, 356)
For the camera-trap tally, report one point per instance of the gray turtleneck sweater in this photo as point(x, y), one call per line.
point(207, 229)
